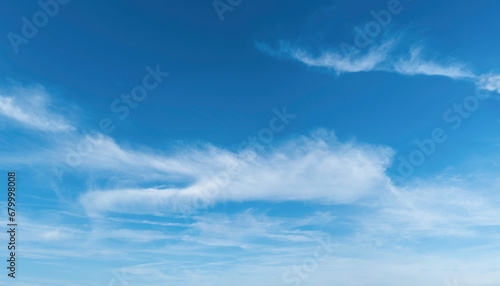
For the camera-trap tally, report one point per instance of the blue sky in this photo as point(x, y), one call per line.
point(252, 142)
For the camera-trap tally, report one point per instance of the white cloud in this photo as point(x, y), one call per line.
point(244, 229)
point(446, 209)
point(334, 60)
point(377, 58)
point(489, 82)
point(415, 64)
point(31, 107)
point(314, 168)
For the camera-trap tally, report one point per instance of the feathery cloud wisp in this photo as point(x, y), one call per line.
point(316, 168)
point(416, 65)
point(31, 107)
point(333, 60)
point(377, 58)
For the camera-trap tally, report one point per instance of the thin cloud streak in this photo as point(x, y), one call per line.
point(333, 60)
point(415, 65)
point(381, 58)
point(30, 107)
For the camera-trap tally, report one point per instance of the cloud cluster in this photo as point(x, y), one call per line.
point(489, 82)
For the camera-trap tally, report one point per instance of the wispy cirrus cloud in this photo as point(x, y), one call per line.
point(382, 57)
point(334, 59)
point(316, 168)
point(31, 107)
point(414, 64)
